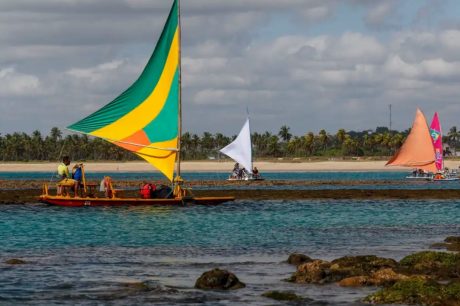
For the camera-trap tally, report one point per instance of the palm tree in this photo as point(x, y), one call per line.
point(284, 133)
point(37, 145)
point(273, 146)
point(453, 137)
point(309, 140)
point(340, 136)
point(323, 139)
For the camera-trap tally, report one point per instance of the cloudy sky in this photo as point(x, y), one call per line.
point(308, 64)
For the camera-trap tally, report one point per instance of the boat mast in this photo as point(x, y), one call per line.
point(180, 93)
point(250, 138)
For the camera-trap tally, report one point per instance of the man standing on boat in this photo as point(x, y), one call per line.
point(66, 180)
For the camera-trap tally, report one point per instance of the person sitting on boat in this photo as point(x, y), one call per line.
point(241, 173)
point(255, 173)
point(107, 187)
point(235, 171)
point(439, 176)
point(64, 175)
point(77, 174)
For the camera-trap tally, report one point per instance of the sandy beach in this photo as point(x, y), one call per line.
point(217, 166)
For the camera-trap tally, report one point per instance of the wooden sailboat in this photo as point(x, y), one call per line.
point(417, 150)
point(145, 119)
point(240, 150)
point(443, 174)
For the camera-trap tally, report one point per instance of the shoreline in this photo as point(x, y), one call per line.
point(218, 166)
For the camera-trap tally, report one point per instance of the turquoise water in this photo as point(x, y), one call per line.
point(383, 179)
point(384, 175)
point(91, 255)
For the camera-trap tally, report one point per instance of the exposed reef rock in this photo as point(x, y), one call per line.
point(15, 261)
point(283, 296)
point(321, 272)
point(298, 259)
point(451, 243)
point(439, 265)
point(419, 291)
point(218, 279)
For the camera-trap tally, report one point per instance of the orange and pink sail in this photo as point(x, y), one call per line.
point(436, 136)
point(417, 151)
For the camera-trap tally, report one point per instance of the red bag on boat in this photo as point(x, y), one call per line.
point(146, 191)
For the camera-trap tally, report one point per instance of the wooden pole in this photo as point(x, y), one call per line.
point(180, 92)
point(83, 178)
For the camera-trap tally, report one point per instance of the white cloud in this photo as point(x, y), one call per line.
point(96, 74)
point(378, 14)
point(13, 83)
point(301, 71)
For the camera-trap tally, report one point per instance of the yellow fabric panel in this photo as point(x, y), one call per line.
point(151, 107)
point(161, 159)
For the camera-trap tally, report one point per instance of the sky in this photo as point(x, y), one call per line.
point(307, 64)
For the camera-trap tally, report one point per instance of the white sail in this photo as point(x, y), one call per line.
point(240, 149)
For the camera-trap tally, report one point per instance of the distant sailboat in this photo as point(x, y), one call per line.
point(436, 137)
point(417, 151)
point(240, 150)
point(443, 174)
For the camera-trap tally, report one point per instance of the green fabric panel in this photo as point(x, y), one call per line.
point(141, 89)
point(165, 125)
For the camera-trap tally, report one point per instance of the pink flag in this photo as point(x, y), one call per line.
point(436, 137)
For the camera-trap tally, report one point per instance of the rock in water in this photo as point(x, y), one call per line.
point(282, 296)
point(298, 259)
point(451, 243)
point(362, 265)
point(383, 277)
point(419, 291)
point(321, 272)
point(315, 272)
point(355, 281)
point(218, 279)
point(439, 265)
point(15, 261)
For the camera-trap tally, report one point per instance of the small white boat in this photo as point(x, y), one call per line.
point(240, 150)
point(247, 178)
point(427, 177)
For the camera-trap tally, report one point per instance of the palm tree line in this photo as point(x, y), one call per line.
point(379, 142)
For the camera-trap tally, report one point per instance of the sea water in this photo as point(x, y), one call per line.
point(322, 175)
point(379, 179)
point(100, 255)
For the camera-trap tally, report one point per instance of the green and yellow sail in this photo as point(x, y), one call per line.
point(144, 118)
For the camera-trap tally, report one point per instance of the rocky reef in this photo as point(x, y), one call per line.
point(15, 261)
point(424, 278)
point(218, 279)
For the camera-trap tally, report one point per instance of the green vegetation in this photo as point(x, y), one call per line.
point(438, 264)
point(381, 142)
point(418, 290)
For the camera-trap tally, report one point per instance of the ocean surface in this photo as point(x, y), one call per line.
point(360, 180)
point(153, 255)
point(323, 175)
